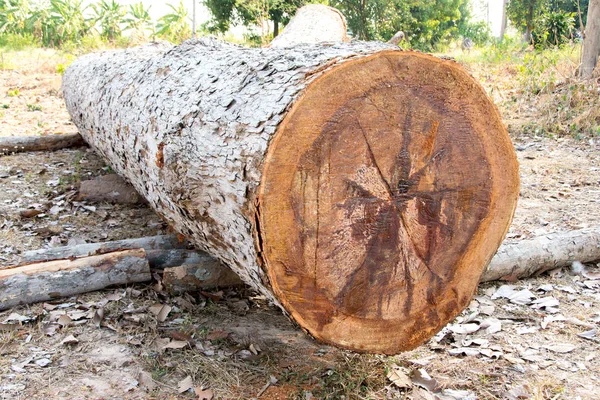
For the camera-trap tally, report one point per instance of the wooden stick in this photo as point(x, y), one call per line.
point(162, 251)
point(18, 144)
point(543, 253)
point(50, 280)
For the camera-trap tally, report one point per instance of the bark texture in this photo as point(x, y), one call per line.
point(313, 23)
point(360, 187)
point(19, 144)
point(591, 42)
point(543, 253)
point(45, 281)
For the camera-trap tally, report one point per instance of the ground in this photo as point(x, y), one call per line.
point(535, 338)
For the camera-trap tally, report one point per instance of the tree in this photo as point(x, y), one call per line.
point(65, 22)
point(591, 42)
point(14, 16)
point(174, 26)
point(110, 16)
point(523, 14)
point(425, 24)
point(250, 12)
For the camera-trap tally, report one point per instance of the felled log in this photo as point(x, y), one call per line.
point(361, 188)
point(18, 144)
point(205, 274)
point(54, 279)
point(543, 253)
point(162, 250)
point(313, 23)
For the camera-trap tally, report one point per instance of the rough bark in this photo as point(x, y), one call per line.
point(591, 41)
point(19, 144)
point(543, 253)
point(360, 187)
point(50, 280)
point(313, 23)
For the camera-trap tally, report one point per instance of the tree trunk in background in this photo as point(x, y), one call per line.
point(361, 188)
point(591, 41)
point(504, 20)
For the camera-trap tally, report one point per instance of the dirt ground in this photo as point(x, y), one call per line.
point(536, 338)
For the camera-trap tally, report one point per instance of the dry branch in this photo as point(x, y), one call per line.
point(18, 144)
point(50, 280)
point(543, 253)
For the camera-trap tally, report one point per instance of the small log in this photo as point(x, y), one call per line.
point(110, 188)
point(161, 250)
point(18, 144)
point(50, 280)
point(313, 23)
point(543, 253)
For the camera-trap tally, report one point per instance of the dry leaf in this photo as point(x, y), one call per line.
point(398, 377)
point(204, 394)
point(8, 327)
point(491, 325)
point(161, 311)
point(463, 329)
point(421, 378)
point(185, 384)
point(561, 347)
point(70, 340)
point(591, 334)
point(215, 335)
point(146, 381)
point(545, 302)
point(64, 320)
point(98, 317)
point(176, 344)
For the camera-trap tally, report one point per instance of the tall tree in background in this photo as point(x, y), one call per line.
point(523, 14)
point(591, 41)
point(251, 12)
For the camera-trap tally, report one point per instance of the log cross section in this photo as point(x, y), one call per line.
point(361, 188)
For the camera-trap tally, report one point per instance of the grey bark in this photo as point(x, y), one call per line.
point(189, 127)
point(543, 253)
point(54, 279)
point(591, 41)
point(18, 144)
point(313, 23)
point(162, 250)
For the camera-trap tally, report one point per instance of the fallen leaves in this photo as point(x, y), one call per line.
point(161, 311)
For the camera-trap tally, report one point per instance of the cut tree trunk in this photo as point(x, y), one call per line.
point(591, 41)
point(313, 23)
point(18, 144)
point(54, 279)
point(361, 188)
point(543, 253)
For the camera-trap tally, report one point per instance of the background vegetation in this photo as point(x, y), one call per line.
point(534, 63)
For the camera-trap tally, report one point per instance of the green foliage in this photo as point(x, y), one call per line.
point(425, 24)
point(14, 41)
point(13, 93)
point(478, 32)
point(554, 29)
point(523, 14)
point(250, 12)
point(64, 22)
point(110, 16)
point(174, 26)
point(34, 107)
point(138, 17)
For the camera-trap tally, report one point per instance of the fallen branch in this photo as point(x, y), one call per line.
point(162, 251)
point(543, 253)
point(18, 144)
point(50, 280)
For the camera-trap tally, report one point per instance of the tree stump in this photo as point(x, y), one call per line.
point(360, 187)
